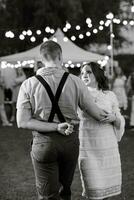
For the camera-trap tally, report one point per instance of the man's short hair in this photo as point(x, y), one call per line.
point(50, 48)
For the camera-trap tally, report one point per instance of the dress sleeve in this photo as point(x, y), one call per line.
point(115, 107)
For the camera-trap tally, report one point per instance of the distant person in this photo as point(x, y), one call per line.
point(38, 65)
point(75, 71)
point(53, 96)
point(130, 91)
point(8, 74)
point(3, 115)
point(20, 77)
point(119, 88)
point(99, 158)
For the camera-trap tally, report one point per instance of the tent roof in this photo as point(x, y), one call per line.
point(26, 55)
point(70, 52)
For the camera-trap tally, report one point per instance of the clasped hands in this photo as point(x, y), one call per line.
point(66, 128)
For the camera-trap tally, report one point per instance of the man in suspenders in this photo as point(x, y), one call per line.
point(47, 104)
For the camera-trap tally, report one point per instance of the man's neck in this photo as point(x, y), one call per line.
point(53, 65)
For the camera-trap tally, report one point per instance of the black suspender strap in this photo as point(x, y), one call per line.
point(55, 107)
point(54, 99)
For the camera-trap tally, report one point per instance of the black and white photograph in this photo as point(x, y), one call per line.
point(66, 100)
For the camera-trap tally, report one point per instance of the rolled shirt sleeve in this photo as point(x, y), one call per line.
point(23, 100)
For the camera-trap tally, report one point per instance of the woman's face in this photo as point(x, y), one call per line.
point(88, 77)
point(118, 70)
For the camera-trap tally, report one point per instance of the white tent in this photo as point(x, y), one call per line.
point(70, 52)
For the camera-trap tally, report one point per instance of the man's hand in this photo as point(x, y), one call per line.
point(65, 128)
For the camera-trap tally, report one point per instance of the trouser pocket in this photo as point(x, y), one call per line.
point(44, 152)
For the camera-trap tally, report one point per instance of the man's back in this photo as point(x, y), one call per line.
point(39, 100)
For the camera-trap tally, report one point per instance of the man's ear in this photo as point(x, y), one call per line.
point(60, 57)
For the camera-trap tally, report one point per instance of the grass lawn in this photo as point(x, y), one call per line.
point(16, 172)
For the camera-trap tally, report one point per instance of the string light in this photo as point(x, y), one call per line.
point(95, 31)
point(72, 65)
point(110, 16)
point(52, 31)
point(90, 25)
point(78, 65)
point(102, 63)
point(8, 65)
point(69, 62)
point(65, 29)
point(66, 65)
point(81, 36)
point(31, 63)
point(24, 63)
point(88, 33)
point(65, 39)
point(45, 39)
point(101, 22)
point(106, 58)
point(47, 29)
point(38, 32)
point(131, 22)
point(84, 63)
point(116, 21)
point(77, 27)
point(109, 19)
point(109, 47)
point(68, 26)
point(125, 22)
point(107, 23)
point(9, 34)
point(29, 32)
point(54, 39)
point(112, 35)
point(31, 66)
point(33, 39)
point(73, 38)
point(22, 37)
point(101, 28)
point(88, 21)
point(132, 8)
point(24, 32)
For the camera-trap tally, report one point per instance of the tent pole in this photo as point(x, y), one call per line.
point(111, 51)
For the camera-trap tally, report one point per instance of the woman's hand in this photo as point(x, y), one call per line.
point(109, 118)
point(65, 128)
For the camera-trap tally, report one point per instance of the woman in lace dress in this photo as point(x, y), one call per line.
point(130, 91)
point(99, 158)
